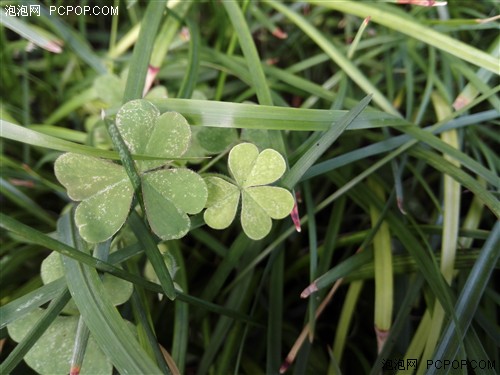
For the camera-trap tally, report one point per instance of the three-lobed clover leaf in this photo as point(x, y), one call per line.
point(251, 172)
point(105, 190)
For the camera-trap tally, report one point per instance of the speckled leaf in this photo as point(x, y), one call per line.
point(242, 158)
point(51, 354)
point(254, 219)
point(275, 201)
point(222, 202)
point(118, 290)
point(168, 196)
point(268, 167)
point(135, 120)
point(83, 176)
point(105, 191)
point(170, 138)
point(109, 88)
point(103, 214)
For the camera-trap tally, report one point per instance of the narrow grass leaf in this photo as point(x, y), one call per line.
point(37, 36)
point(382, 253)
point(344, 323)
point(250, 116)
point(51, 313)
point(337, 272)
point(470, 296)
point(275, 317)
point(21, 134)
point(16, 196)
point(189, 82)
point(73, 40)
point(108, 328)
point(33, 236)
point(150, 23)
point(250, 51)
point(150, 248)
point(342, 61)
point(181, 315)
point(30, 301)
point(396, 19)
point(310, 156)
point(459, 175)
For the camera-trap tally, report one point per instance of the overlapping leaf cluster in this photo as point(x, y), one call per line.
point(170, 193)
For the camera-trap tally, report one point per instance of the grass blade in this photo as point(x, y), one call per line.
point(136, 79)
point(472, 292)
point(310, 156)
point(396, 19)
point(36, 332)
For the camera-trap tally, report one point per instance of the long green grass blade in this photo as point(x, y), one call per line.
point(248, 116)
point(103, 320)
point(45, 241)
point(136, 79)
point(468, 300)
point(36, 332)
point(150, 248)
point(396, 19)
point(311, 155)
point(30, 301)
point(342, 61)
point(39, 37)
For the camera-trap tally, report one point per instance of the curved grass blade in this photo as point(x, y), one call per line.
point(73, 40)
point(34, 138)
point(342, 61)
point(459, 175)
point(25, 202)
point(337, 272)
point(396, 19)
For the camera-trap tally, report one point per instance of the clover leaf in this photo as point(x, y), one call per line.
point(251, 171)
point(51, 354)
point(106, 192)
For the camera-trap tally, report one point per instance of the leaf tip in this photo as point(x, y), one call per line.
point(295, 217)
point(309, 290)
point(280, 34)
point(401, 206)
point(285, 365)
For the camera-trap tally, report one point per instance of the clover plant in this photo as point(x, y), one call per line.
point(105, 190)
point(170, 193)
point(251, 172)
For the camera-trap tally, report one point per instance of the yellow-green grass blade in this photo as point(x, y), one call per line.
point(248, 116)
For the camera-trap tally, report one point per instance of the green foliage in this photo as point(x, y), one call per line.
point(106, 191)
point(251, 171)
point(52, 353)
point(131, 142)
